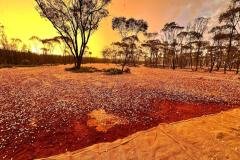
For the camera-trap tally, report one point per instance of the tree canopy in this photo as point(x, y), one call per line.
point(75, 21)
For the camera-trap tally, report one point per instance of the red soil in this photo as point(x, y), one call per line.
point(45, 110)
point(75, 134)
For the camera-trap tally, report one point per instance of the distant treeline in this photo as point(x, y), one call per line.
point(201, 44)
point(10, 57)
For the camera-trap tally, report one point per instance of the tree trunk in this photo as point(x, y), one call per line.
point(219, 63)
point(238, 66)
point(78, 63)
point(211, 61)
point(197, 58)
point(124, 63)
point(212, 64)
point(173, 62)
point(164, 56)
point(180, 58)
point(191, 58)
point(228, 52)
point(163, 61)
point(156, 61)
point(79, 60)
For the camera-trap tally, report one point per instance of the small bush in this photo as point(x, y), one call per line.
point(25, 62)
point(127, 70)
point(6, 66)
point(113, 71)
point(116, 71)
point(83, 70)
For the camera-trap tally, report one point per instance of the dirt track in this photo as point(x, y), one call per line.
point(46, 111)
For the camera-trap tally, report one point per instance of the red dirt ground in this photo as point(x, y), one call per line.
point(45, 111)
point(74, 134)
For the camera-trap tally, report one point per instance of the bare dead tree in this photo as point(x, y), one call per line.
point(75, 21)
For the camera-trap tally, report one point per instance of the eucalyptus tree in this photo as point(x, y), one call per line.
point(24, 48)
point(123, 52)
point(231, 18)
point(75, 21)
point(48, 44)
point(191, 41)
point(15, 44)
point(218, 46)
point(153, 46)
point(116, 55)
point(44, 50)
point(106, 53)
point(129, 29)
point(238, 58)
point(35, 43)
point(58, 41)
point(170, 31)
point(182, 40)
point(126, 48)
point(198, 29)
point(90, 55)
point(3, 38)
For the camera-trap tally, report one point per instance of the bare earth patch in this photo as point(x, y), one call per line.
point(46, 111)
point(103, 121)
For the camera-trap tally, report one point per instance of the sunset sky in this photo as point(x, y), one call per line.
point(22, 20)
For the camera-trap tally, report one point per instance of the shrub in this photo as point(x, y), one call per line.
point(25, 62)
point(6, 66)
point(127, 70)
point(113, 71)
point(116, 71)
point(83, 70)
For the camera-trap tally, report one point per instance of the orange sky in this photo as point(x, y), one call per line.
point(22, 20)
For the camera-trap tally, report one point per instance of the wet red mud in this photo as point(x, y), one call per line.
point(73, 133)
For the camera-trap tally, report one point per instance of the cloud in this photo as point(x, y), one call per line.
point(189, 9)
point(219, 9)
